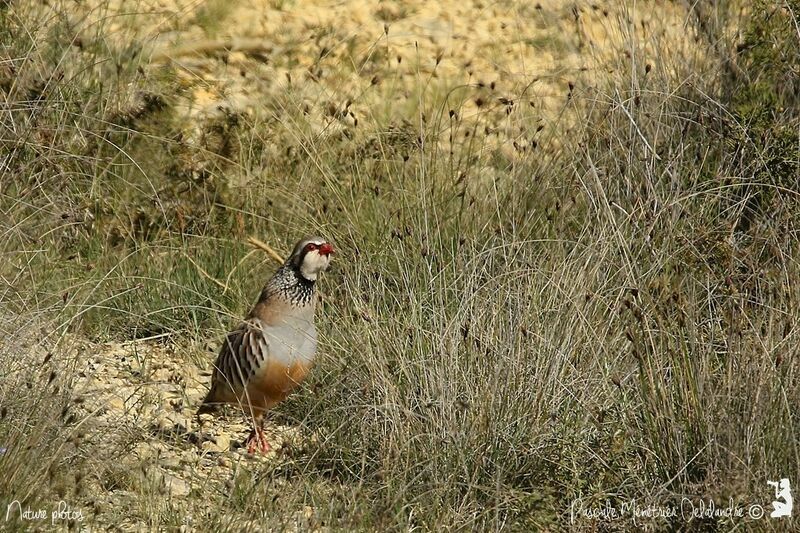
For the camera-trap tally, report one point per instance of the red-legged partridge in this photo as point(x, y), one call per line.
point(271, 352)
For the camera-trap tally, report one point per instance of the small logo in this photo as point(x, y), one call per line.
point(783, 491)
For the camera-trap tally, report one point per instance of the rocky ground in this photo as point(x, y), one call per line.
point(360, 65)
point(142, 397)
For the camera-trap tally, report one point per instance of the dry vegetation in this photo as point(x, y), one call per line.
point(568, 270)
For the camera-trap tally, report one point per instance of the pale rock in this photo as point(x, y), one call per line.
point(223, 442)
point(115, 403)
point(162, 375)
point(175, 485)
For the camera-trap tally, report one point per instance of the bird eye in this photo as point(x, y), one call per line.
point(311, 246)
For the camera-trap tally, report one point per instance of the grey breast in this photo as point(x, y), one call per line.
point(294, 339)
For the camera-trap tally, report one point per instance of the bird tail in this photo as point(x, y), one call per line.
point(209, 404)
point(206, 408)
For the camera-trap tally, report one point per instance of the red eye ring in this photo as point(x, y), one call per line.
point(324, 249)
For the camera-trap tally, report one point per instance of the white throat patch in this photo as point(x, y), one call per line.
point(313, 264)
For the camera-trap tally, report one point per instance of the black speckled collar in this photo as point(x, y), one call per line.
point(289, 284)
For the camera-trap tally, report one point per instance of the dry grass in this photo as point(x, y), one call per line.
point(604, 309)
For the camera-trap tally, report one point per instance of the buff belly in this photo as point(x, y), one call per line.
point(273, 382)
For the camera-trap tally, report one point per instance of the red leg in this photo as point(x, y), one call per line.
point(257, 441)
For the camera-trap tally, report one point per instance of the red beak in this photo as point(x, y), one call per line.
point(326, 249)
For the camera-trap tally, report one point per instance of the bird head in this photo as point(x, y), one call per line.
point(310, 257)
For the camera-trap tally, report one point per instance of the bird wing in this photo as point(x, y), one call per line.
point(243, 352)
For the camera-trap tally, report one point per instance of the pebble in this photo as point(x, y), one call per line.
point(115, 404)
point(223, 442)
point(175, 485)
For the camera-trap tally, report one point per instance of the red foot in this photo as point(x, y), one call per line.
point(257, 441)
